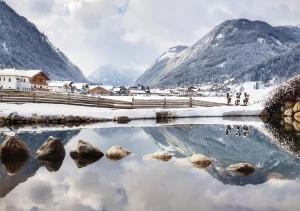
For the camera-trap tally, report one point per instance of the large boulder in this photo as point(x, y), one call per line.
point(85, 154)
point(162, 155)
point(242, 168)
point(199, 160)
point(52, 149)
point(117, 153)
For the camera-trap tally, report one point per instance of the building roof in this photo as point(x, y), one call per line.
point(98, 86)
point(21, 73)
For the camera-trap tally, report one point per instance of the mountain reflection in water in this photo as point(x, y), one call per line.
point(137, 183)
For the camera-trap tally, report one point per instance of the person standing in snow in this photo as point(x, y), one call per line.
point(246, 99)
point(228, 99)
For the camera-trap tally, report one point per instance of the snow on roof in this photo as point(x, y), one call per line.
point(23, 73)
point(58, 83)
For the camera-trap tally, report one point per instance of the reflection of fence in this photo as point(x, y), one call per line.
point(83, 100)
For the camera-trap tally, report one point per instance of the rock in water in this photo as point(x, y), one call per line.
point(164, 155)
point(123, 119)
point(243, 168)
point(200, 160)
point(52, 149)
point(14, 148)
point(117, 153)
point(85, 154)
point(14, 154)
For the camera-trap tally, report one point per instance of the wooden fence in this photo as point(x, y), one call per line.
point(83, 100)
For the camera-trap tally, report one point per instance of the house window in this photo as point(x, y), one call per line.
point(9, 79)
point(4, 79)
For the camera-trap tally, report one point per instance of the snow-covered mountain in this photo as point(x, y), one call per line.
point(231, 48)
point(109, 75)
point(23, 46)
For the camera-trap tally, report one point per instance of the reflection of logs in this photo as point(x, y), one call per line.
point(285, 133)
point(14, 154)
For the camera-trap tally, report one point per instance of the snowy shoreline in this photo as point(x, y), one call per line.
point(30, 109)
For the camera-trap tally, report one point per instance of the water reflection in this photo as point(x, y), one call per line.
point(135, 183)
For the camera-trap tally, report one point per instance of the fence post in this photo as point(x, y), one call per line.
point(33, 99)
point(191, 102)
point(68, 98)
point(132, 103)
point(165, 102)
point(1, 97)
point(98, 101)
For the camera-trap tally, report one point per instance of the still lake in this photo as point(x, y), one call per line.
point(140, 183)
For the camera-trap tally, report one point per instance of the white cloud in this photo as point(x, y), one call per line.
point(134, 32)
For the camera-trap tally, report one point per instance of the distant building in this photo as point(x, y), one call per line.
point(61, 86)
point(100, 90)
point(23, 80)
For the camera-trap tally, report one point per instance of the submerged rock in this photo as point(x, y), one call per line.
point(117, 153)
point(243, 168)
point(85, 154)
point(51, 165)
point(162, 155)
point(12, 166)
point(199, 160)
point(52, 149)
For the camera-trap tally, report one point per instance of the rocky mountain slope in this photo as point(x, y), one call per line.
point(23, 46)
point(231, 48)
point(109, 75)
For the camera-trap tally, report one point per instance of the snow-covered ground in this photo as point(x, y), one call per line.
point(28, 109)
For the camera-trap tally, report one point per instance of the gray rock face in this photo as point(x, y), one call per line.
point(23, 46)
point(52, 149)
point(230, 49)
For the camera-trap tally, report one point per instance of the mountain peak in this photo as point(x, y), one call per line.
point(23, 46)
point(230, 48)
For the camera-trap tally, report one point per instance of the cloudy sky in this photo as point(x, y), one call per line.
point(131, 34)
